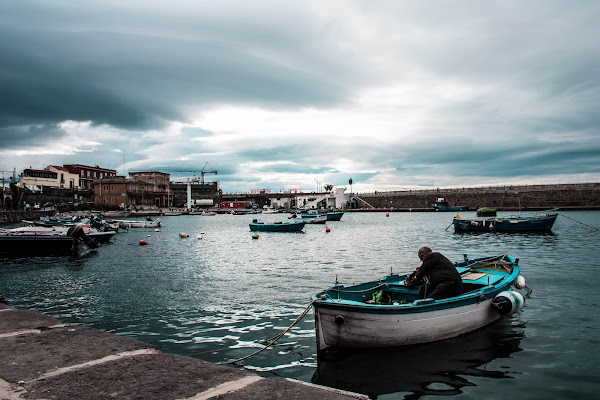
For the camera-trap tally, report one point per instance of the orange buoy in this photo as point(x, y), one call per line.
point(255, 236)
point(143, 242)
point(327, 229)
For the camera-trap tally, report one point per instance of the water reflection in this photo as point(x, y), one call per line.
point(440, 368)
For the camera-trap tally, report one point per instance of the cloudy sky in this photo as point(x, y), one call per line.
point(297, 94)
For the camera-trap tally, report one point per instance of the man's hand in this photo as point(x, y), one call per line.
point(410, 280)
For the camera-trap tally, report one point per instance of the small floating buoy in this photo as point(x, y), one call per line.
point(508, 302)
point(520, 282)
point(457, 216)
point(327, 229)
point(387, 213)
point(148, 235)
point(183, 235)
point(143, 242)
point(199, 237)
point(157, 230)
point(255, 236)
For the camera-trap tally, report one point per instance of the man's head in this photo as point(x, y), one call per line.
point(423, 252)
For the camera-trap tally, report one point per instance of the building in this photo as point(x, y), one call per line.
point(260, 191)
point(178, 191)
point(154, 185)
point(329, 200)
point(88, 174)
point(111, 191)
point(141, 189)
point(52, 176)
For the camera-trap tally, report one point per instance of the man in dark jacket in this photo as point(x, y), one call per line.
point(440, 277)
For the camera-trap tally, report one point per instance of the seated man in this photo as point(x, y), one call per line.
point(437, 275)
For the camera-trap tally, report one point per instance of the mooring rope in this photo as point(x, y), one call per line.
point(271, 341)
point(589, 226)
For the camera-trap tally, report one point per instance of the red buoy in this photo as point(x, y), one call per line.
point(327, 229)
point(143, 242)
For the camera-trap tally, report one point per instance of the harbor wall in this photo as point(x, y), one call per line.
point(536, 197)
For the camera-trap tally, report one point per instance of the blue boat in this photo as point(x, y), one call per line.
point(335, 215)
point(535, 223)
point(442, 205)
point(295, 226)
point(386, 313)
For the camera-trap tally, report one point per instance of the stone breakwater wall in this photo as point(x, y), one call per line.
point(538, 197)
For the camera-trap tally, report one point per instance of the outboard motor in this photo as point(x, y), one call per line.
point(77, 232)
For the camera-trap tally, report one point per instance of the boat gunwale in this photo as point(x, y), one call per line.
point(483, 293)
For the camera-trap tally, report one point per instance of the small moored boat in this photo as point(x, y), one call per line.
point(442, 205)
point(535, 223)
point(295, 226)
point(321, 219)
point(386, 313)
point(18, 244)
point(92, 233)
point(334, 215)
point(139, 223)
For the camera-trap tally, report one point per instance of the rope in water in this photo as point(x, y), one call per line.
point(589, 226)
point(271, 341)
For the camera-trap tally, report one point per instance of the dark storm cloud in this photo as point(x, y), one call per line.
point(84, 71)
point(14, 137)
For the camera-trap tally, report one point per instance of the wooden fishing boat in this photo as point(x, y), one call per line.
point(294, 226)
point(535, 223)
point(354, 316)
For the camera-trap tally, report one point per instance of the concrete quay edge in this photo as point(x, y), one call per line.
point(42, 358)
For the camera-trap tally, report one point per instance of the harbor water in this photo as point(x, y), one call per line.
point(218, 293)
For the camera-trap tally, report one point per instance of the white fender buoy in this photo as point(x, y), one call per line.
point(520, 282)
point(199, 237)
point(157, 230)
point(183, 235)
point(508, 302)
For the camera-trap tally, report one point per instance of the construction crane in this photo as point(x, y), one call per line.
point(195, 179)
point(205, 171)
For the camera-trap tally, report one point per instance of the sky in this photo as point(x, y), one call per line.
point(284, 95)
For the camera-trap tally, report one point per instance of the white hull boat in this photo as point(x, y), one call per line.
point(123, 223)
point(346, 316)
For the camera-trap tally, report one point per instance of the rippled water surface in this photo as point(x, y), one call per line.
point(218, 293)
